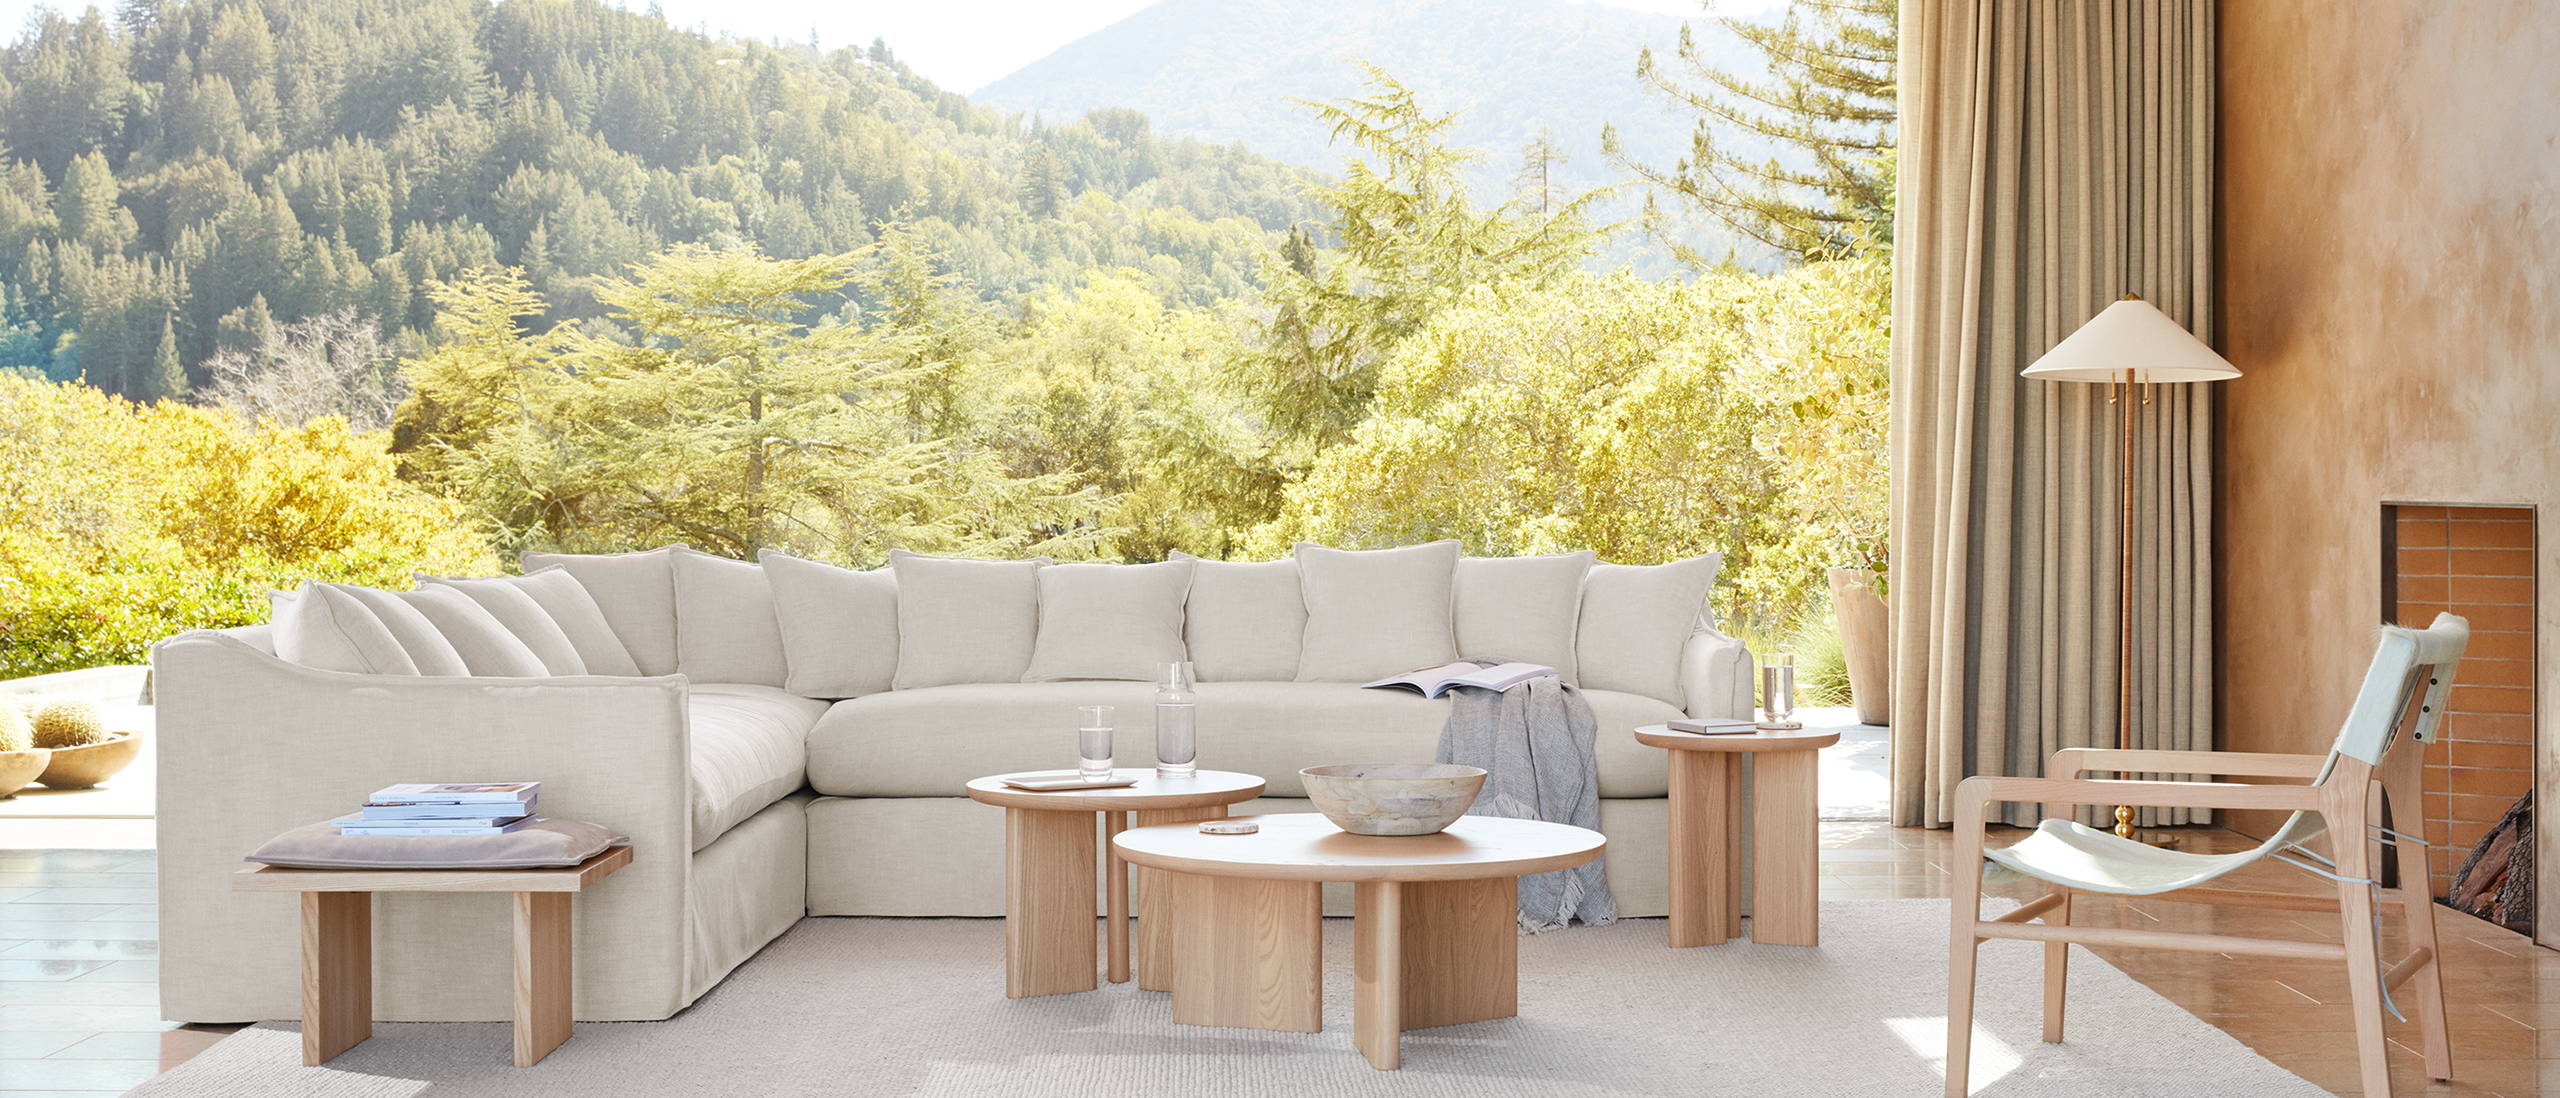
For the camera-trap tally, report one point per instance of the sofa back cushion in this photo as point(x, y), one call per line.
point(839, 626)
point(317, 625)
point(1376, 613)
point(577, 613)
point(429, 649)
point(1109, 621)
point(1636, 619)
point(1243, 622)
point(516, 609)
point(962, 620)
point(485, 646)
point(636, 592)
point(726, 630)
point(1522, 608)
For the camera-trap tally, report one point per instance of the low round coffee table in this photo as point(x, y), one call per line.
point(1435, 938)
point(1706, 834)
point(1048, 874)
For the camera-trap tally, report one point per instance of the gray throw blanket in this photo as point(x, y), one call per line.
point(1535, 742)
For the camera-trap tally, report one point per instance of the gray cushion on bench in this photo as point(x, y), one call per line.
point(544, 844)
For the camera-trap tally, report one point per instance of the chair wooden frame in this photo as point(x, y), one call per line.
point(2348, 799)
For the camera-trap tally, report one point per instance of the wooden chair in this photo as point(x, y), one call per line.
point(2402, 699)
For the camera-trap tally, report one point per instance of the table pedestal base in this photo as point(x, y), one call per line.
point(1252, 952)
point(1431, 953)
point(1048, 902)
point(1706, 848)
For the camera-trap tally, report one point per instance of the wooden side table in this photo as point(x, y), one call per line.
point(1706, 834)
point(1435, 927)
point(1048, 875)
point(337, 943)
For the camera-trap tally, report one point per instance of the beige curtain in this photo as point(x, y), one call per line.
point(2055, 155)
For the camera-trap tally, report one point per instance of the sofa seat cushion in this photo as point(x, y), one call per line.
point(930, 742)
point(750, 748)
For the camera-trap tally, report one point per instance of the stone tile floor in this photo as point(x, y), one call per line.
point(79, 1014)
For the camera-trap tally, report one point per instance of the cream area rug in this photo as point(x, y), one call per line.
point(917, 1006)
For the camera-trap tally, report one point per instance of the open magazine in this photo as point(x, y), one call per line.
point(1431, 682)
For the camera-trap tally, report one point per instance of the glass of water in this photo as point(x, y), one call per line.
point(1093, 743)
point(1177, 722)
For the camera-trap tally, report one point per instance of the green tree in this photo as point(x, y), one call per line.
point(1800, 159)
point(85, 208)
point(1407, 237)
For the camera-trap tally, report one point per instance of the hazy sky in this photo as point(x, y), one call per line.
point(959, 44)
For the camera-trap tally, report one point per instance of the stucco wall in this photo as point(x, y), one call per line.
point(2390, 286)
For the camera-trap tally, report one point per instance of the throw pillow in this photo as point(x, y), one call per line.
point(428, 647)
point(515, 609)
point(484, 644)
point(317, 626)
point(1109, 621)
point(1522, 608)
point(1243, 621)
point(636, 592)
point(1376, 613)
point(839, 626)
point(962, 620)
point(725, 627)
point(541, 844)
point(1637, 618)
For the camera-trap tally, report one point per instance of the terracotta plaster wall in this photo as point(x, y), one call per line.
point(2389, 284)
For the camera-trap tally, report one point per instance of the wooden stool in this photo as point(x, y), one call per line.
point(337, 943)
point(1706, 834)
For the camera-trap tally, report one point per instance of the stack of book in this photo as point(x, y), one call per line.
point(450, 809)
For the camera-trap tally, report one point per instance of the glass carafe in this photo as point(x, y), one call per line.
point(1177, 722)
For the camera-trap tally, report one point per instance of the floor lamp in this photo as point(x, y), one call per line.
point(2128, 347)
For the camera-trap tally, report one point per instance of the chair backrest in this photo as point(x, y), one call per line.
point(2404, 686)
point(2409, 666)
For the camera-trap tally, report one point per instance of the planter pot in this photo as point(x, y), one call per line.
point(87, 765)
point(17, 768)
point(1866, 639)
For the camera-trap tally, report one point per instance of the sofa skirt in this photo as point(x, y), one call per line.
point(943, 856)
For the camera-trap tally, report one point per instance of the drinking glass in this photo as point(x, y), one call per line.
point(1093, 743)
point(1778, 691)
point(1177, 722)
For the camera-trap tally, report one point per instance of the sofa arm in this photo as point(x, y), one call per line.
point(1715, 676)
point(250, 745)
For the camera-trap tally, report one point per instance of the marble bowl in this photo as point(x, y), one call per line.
point(1392, 798)
point(17, 768)
point(90, 764)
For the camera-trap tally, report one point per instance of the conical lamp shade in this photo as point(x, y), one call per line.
point(2131, 336)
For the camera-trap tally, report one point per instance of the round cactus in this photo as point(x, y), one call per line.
point(69, 724)
point(16, 732)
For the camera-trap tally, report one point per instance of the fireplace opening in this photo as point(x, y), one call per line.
point(2476, 561)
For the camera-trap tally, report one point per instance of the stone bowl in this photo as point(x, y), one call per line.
point(17, 768)
point(88, 765)
point(1392, 798)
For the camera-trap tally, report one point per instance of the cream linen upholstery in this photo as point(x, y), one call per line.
point(428, 647)
point(636, 591)
point(321, 627)
point(1109, 621)
point(839, 626)
point(1522, 608)
point(1634, 618)
point(477, 636)
point(312, 744)
point(516, 608)
point(750, 749)
point(926, 743)
point(725, 626)
point(1242, 622)
point(1372, 613)
point(708, 779)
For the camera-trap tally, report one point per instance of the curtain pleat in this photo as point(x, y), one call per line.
point(2055, 155)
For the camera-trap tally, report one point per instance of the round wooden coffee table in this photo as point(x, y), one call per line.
point(1048, 874)
point(1706, 834)
point(1435, 938)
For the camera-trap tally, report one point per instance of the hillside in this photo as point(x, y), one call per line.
point(1235, 71)
point(184, 176)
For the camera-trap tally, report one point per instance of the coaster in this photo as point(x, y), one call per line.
point(1229, 827)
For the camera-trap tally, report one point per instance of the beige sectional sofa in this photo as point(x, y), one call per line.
point(787, 747)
